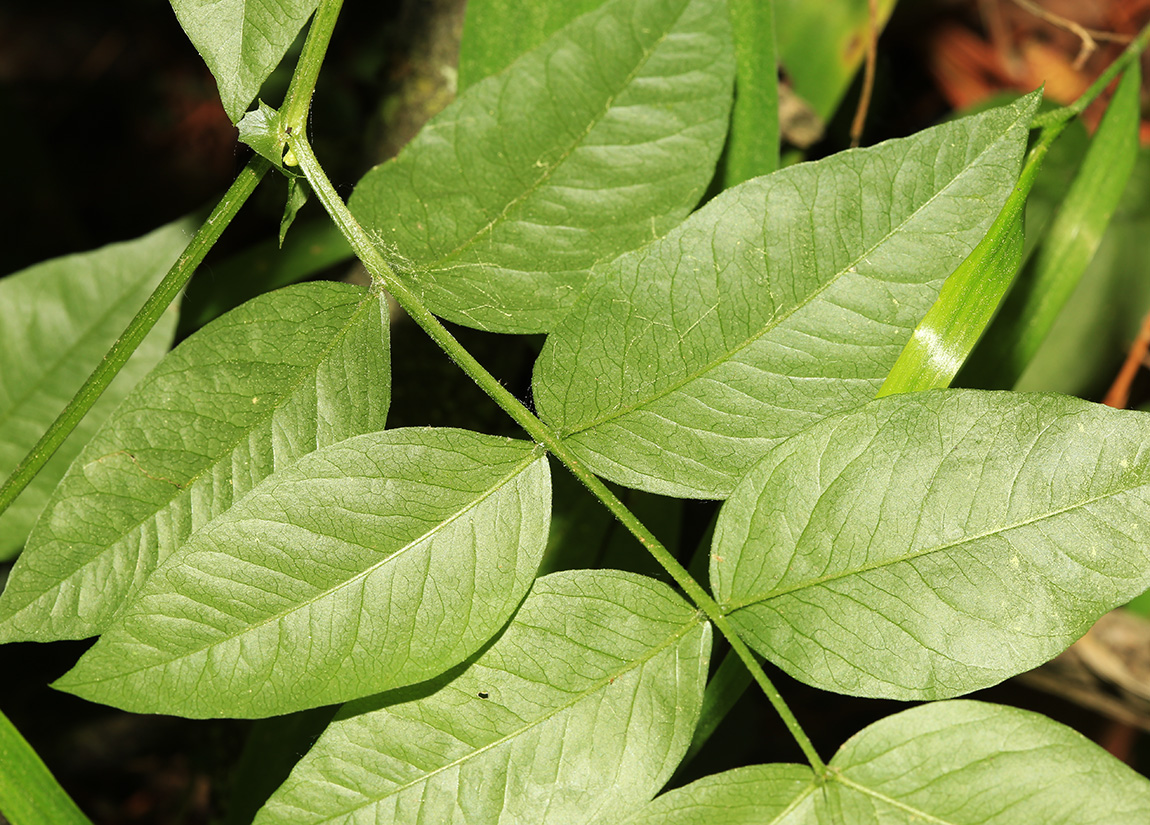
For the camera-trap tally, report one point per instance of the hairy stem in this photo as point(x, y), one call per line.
point(141, 325)
point(384, 275)
point(297, 102)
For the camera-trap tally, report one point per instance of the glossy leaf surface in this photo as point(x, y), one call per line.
point(242, 41)
point(370, 564)
point(781, 301)
point(596, 142)
point(60, 318)
point(250, 393)
point(946, 763)
point(578, 713)
point(931, 544)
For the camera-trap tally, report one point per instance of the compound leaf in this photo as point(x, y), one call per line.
point(596, 142)
point(781, 301)
point(373, 563)
point(931, 544)
point(60, 318)
point(242, 41)
point(578, 713)
point(251, 392)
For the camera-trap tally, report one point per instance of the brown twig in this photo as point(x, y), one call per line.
point(1119, 393)
point(868, 75)
point(1089, 37)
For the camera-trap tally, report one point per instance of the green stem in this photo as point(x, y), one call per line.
point(1066, 113)
point(29, 794)
point(297, 102)
point(141, 325)
point(383, 274)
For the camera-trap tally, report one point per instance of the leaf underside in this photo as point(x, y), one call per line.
point(600, 140)
point(781, 301)
point(60, 318)
point(251, 392)
point(931, 544)
point(578, 713)
point(370, 564)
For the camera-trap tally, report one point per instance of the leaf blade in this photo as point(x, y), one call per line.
point(61, 317)
point(616, 125)
point(931, 544)
point(289, 371)
point(242, 41)
point(778, 302)
point(450, 752)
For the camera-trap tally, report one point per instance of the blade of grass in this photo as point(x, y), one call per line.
point(29, 794)
point(1044, 288)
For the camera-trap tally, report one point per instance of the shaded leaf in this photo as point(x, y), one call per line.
point(599, 140)
point(369, 564)
point(755, 795)
point(781, 301)
point(495, 32)
point(578, 713)
point(242, 41)
point(931, 544)
point(60, 318)
point(280, 376)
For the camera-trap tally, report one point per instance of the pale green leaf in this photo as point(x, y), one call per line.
point(946, 763)
point(259, 387)
point(755, 795)
point(367, 565)
point(781, 301)
point(495, 32)
point(60, 318)
point(242, 41)
point(596, 142)
point(931, 544)
point(578, 713)
point(971, 763)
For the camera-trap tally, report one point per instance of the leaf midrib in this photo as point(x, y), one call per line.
point(850, 268)
point(917, 813)
point(439, 264)
point(176, 492)
point(518, 468)
point(731, 606)
point(673, 639)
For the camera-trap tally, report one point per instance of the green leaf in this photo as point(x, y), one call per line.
point(261, 129)
point(753, 145)
point(822, 45)
point(579, 712)
point(755, 795)
point(1074, 236)
point(781, 301)
point(242, 41)
point(931, 544)
point(946, 763)
point(275, 379)
point(29, 794)
point(970, 763)
point(367, 565)
point(495, 32)
point(60, 318)
point(596, 142)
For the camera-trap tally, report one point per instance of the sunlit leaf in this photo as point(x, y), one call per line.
point(781, 301)
point(930, 544)
point(60, 318)
point(578, 713)
point(370, 564)
point(280, 376)
point(596, 142)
